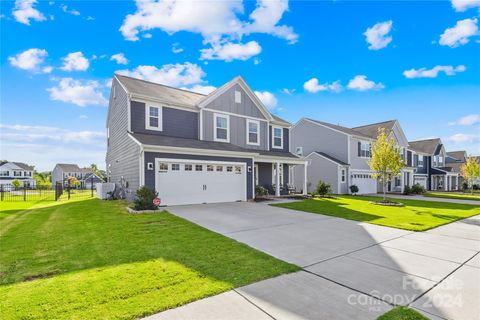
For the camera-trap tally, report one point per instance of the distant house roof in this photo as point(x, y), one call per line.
point(323, 154)
point(339, 128)
point(371, 130)
point(456, 156)
point(67, 167)
point(201, 144)
point(21, 165)
point(428, 146)
point(91, 175)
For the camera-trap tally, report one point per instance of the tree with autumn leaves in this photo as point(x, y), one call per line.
point(386, 161)
point(470, 171)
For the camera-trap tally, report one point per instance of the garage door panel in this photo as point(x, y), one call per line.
point(365, 183)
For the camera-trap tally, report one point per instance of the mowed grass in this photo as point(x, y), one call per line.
point(458, 196)
point(92, 260)
point(415, 215)
point(402, 313)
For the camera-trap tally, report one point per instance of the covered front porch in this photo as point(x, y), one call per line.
point(445, 182)
point(277, 175)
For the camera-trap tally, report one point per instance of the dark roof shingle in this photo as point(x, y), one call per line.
point(428, 146)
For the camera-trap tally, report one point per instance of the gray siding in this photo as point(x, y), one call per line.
point(150, 174)
point(175, 122)
point(122, 158)
point(238, 131)
point(286, 140)
point(226, 102)
point(357, 162)
point(319, 169)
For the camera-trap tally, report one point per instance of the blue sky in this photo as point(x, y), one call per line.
point(345, 62)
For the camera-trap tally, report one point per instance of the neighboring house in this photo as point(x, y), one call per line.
point(440, 175)
point(195, 148)
point(84, 175)
point(456, 159)
point(10, 171)
point(340, 155)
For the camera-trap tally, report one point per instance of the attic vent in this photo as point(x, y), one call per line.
point(238, 97)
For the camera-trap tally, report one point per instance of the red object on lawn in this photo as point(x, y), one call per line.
point(156, 201)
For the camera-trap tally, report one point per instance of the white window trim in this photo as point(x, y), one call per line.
point(273, 137)
point(343, 175)
point(147, 118)
point(248, 132)
point(363, 143)
point(218, 115)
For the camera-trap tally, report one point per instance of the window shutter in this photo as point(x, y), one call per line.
point(359, 149)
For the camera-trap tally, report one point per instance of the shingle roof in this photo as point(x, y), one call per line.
point(428, 146)
point(166, 93)
point(201, 144)
point(371, 130)
point(457, 155)
point(21, 165)
point(280, 120)
point(339, 128)
point(331, 158)
point(70, 167)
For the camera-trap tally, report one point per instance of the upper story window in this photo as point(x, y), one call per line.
point(222, 128)
point(153, 118)
point(238, 96)
point(364, 149)
point(420, 160)
point(277, 137)
point(253, 132)
point(4, 173)
point(440, 160)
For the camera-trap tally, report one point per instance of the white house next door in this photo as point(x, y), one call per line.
point(179, 181)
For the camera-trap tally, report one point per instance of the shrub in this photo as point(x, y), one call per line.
point(16, 183)
point(476, 187)
point(407, 190)
point(323, 188)
point(260, 191)
point(144, 199)
point(354, 189)
point(418, 189)
point(465, 185)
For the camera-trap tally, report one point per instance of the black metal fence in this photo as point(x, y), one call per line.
point(10, 193)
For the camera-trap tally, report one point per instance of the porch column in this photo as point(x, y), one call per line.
point(304, 179)
point(277, 179)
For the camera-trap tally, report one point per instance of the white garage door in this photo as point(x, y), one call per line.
point(365, 183)
point(421, 181)
point(191, 182)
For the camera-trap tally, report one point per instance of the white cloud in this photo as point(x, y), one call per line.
point(433, 73)
point(80, 93)
point(360, 83)
point(90, 18)
point(28, 133)
point(176, 48)
point(313, 86)
point(24, 11)
point(231, 51)
point(256, 61)
point(175, 75)
point(464, 138)
point(119, 58)
point(32, 60)
point(463, 5)
point(288, 91)
point(83, 117)
point(377, 36)
point(459, 34)
point(75, 61)
point(198, 88)
point(70, 11)
point(267, 98)
point(469, 120)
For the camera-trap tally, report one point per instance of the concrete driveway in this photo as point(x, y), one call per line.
point(351, 270)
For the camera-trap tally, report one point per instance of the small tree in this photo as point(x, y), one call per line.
point(16, 183)
point(72, 181)
point(470, 171)
point(386, 161)
point(144, 199)
point(97, 171)
point(323, 188)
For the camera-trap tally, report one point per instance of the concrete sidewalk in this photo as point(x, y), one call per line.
point(351, 270)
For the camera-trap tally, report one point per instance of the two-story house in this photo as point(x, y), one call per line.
point(440, 175)
point(340, 155)
point(195, 148)
point(85, 176)
point(10, 171)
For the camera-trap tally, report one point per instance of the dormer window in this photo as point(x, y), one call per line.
point(277, 137)
point(238, 96)
point(253, 132)
point(222, 128)
point(153, 118)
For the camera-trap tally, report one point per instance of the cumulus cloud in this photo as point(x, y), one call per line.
point(464, 138)
point(459, 34)
point(80, 93)
point(29, 133)
point(176, 48)
point(32, 60)
point(288, 91)
point(231, 51)
point(24, 11)
point(75, 61)
point(433, 73)
point(175, 75)
point(378, 36)
point(469, 120)
point(70, 11)
point(360, 83)
point(463, 5)
point(314, 86)
point(268, 99)
point(119, 58)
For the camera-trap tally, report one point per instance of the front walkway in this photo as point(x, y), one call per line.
point(351, 270)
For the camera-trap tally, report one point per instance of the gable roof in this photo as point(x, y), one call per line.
point(21, 165)
point(329, 157)
point(70, 167)
point(428, 146)
point(371, 130)
point(457, 155)
point(338, 128)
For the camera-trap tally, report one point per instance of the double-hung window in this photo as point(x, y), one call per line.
point(364, 150)
point(277, 133)
point(420, 160)
point(222, 128)
point(253, 132)
point(153, 118)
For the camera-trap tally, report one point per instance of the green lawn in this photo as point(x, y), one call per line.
point(402, 313)
point(91, 260)
point(459, 196)
point(416, 215)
